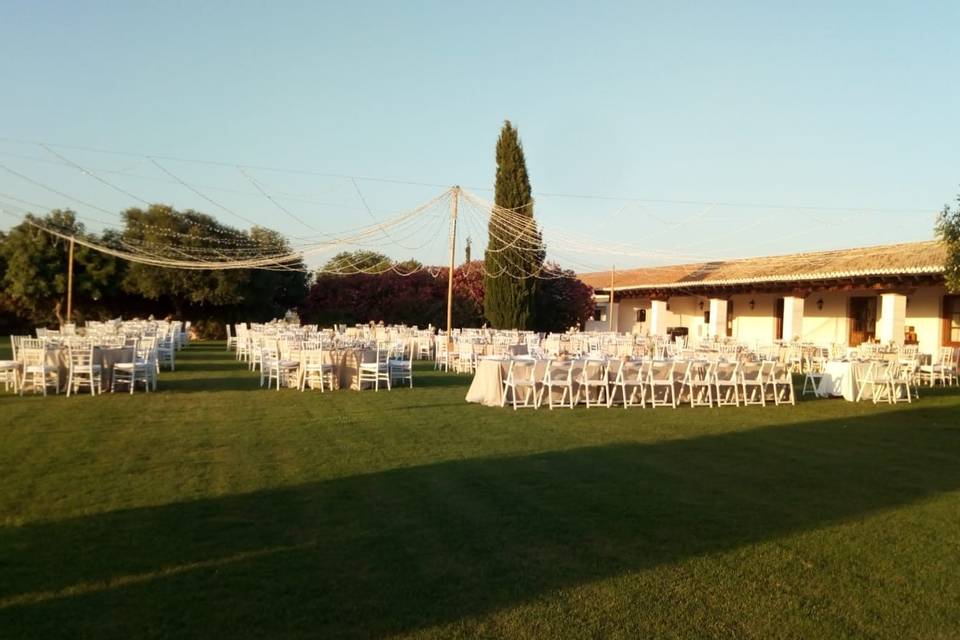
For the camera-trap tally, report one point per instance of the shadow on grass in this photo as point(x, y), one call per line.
point(406, 549)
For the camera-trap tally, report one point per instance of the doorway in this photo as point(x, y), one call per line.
point(778, 319)
point(863, 320)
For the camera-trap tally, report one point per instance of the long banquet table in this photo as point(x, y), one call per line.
point(841, 379)
point(487, 385)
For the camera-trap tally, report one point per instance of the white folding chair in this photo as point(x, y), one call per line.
point(726, 383)
point(660, 381)
point(593, 377)
point(558, 374)
point(521, 382)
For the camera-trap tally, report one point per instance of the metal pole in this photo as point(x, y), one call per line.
point(70, 282)
point(454, 201)
point(612, 269)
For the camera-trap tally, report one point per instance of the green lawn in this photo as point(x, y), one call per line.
point(214, 509)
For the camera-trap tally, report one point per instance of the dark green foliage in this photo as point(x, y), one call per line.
point(948, 230)
point(35, 271)
point(359, 261)
point(509, 301)
point(225, 294)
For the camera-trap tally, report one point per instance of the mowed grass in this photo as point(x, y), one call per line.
point(216, 509)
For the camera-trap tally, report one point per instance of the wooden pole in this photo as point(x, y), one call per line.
point(612, 270)
point(70, 282)
point(454, 202)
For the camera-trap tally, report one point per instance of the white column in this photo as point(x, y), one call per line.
point(613, 320)
point(718, 318)
point(893, 317)
point(792, 318)
point(657, 320)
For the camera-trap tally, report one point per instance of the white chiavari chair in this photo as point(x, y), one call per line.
point(36, 371)
point(376, 370)
point(400, 362)
point(83, 371)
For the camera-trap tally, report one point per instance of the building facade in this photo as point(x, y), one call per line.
point(891, 293)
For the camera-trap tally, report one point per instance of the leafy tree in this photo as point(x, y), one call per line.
point(269, 294)
point(408, 266)
point(359, 261)
point(563, 300)
point(161, 229)
point(509, 300)
point(948, 230)
point(35, 273)
point(227, 294)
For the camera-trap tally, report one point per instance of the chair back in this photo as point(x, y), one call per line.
point(81, 356)
point(32, 356)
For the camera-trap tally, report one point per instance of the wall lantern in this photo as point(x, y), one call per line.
point(752, 304)
point(820, 304)
point(701, 304)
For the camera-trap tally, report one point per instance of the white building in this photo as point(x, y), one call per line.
point(886, 293)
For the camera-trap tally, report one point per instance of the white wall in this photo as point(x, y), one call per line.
point(758, 325)
point(924, 314)
point(627, 316)
point(830, 324)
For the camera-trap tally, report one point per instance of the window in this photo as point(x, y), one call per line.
point(730, 318)
point(641, 315)
point(951, 321)
point(598, 314)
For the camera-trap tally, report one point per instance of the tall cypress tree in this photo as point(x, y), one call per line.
point(508, 301)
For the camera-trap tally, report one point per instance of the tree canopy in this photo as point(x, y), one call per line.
point(34, 273)
point(948, 230)
point(359, 261)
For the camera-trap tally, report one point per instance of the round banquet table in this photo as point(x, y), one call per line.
point(106, 357)
point(346, 364)
point(58, 357)
point(487, 385)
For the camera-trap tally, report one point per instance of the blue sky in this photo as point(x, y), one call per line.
point(695, 111)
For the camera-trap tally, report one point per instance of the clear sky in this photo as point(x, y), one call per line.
point(851, 108)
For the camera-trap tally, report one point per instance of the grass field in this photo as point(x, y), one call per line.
point(214, 509)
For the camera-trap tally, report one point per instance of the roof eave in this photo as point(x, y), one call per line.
point(799, 277)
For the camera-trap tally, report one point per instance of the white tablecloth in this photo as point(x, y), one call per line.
point(487, 385)
point(841, 379)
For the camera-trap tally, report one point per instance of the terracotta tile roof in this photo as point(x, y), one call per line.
point(896, 259)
